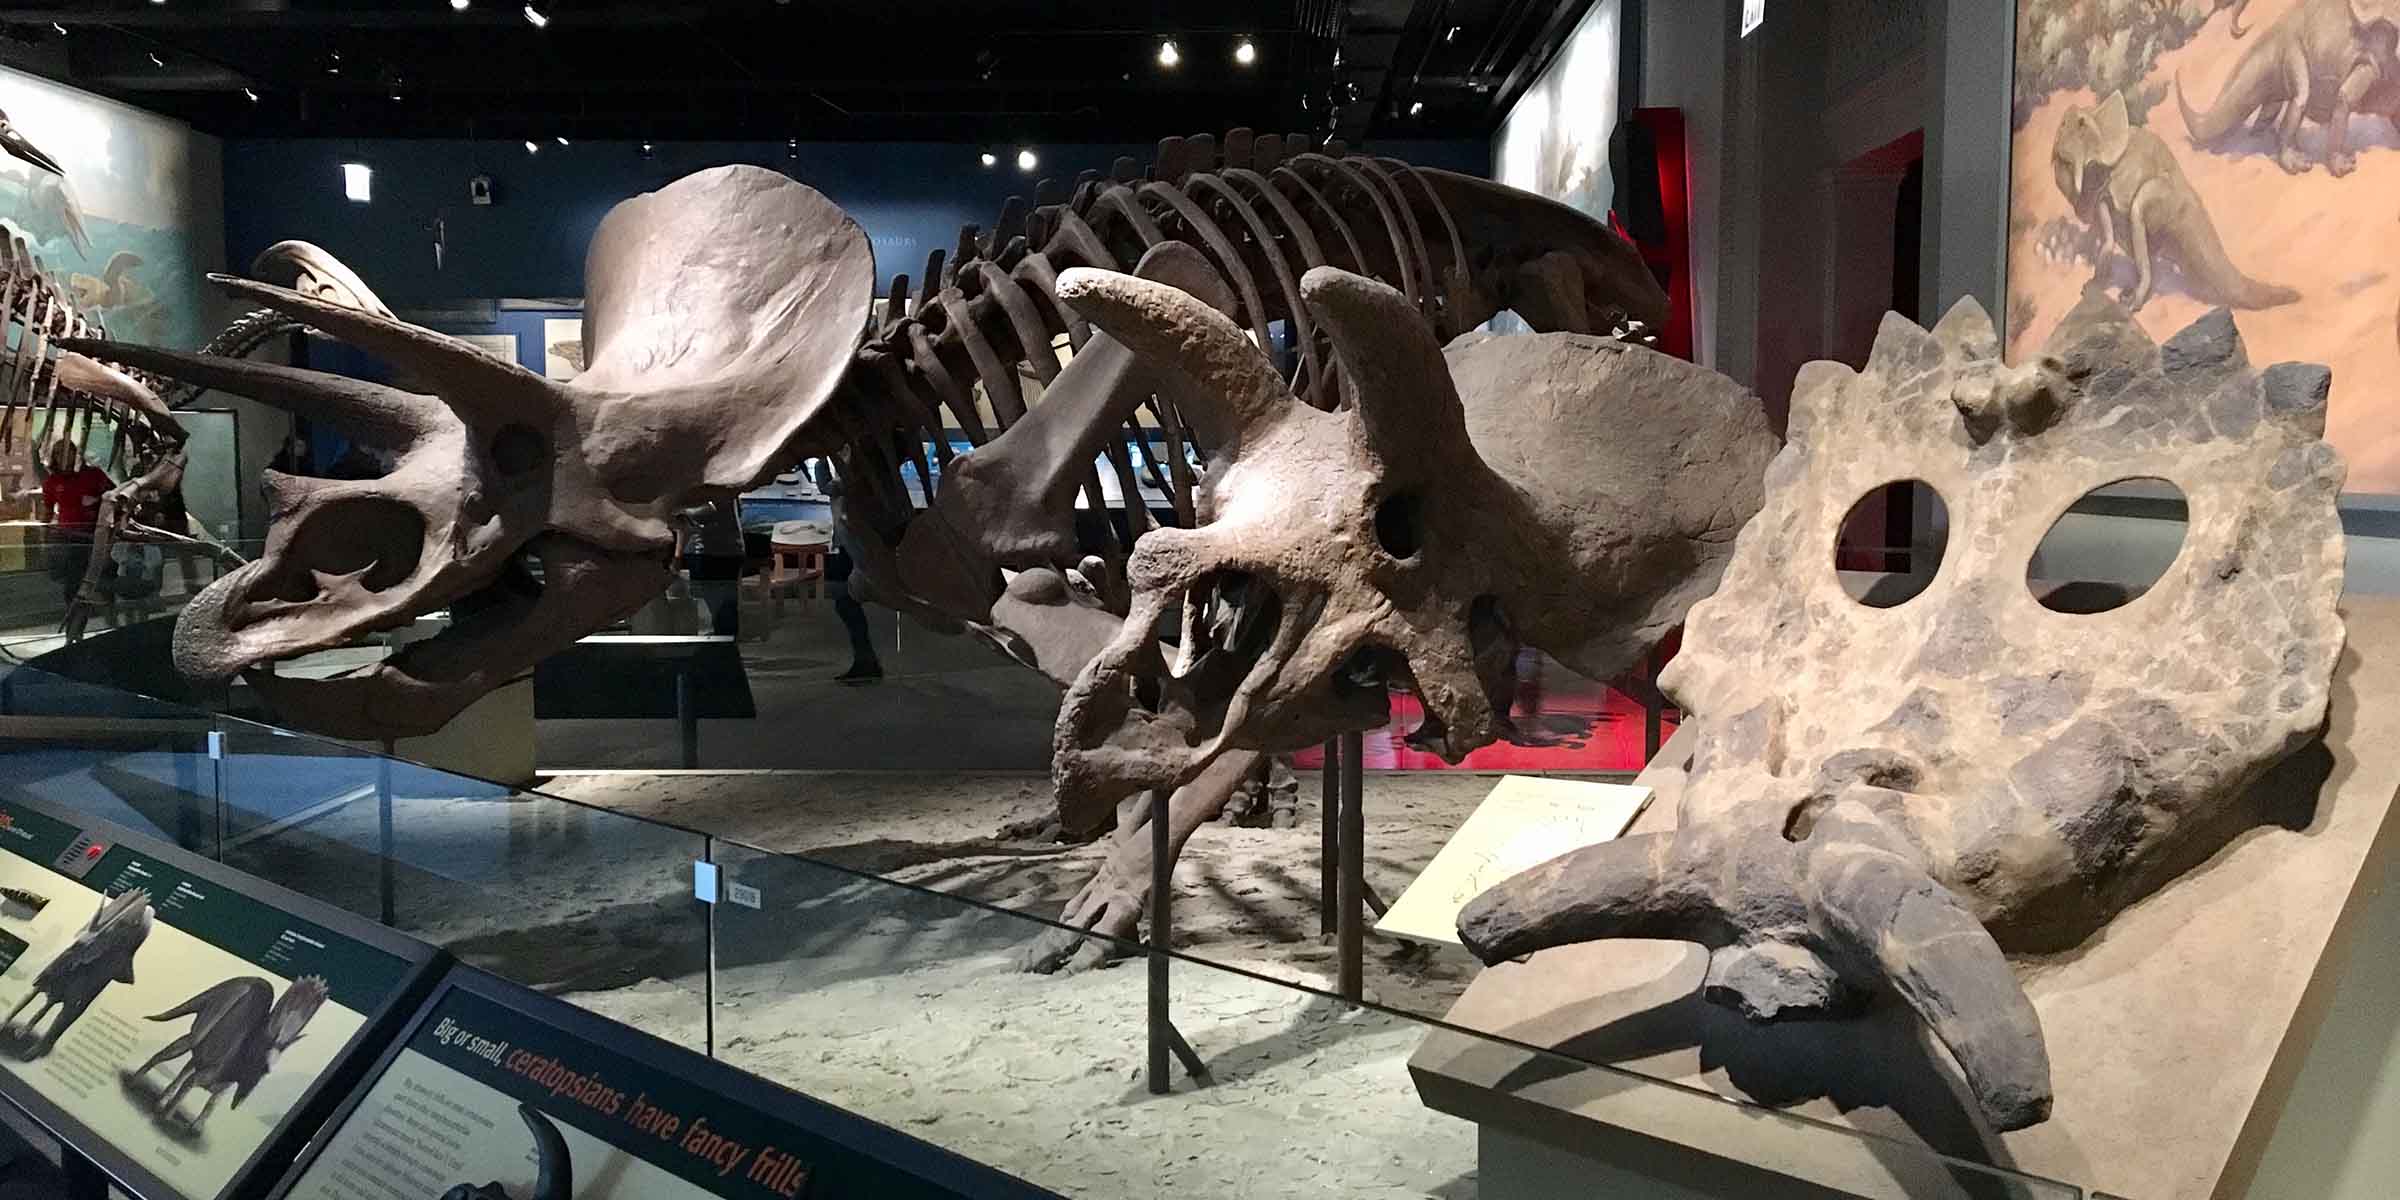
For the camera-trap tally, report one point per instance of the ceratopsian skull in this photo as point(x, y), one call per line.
point(1887, 797)
point(720, 312)
point(1579, 500)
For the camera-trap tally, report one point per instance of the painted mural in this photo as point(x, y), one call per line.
point(2187, 154)
point(1555, 140)
point(135, 221)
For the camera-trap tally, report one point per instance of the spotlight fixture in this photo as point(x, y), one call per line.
point(460, 5)
point(1450, 34)
point(1415, 107)
point(562, 140)
point(532, 147)
point(333, 63)
point(791, 147)
point(1168, 56)
point(1026, 161)
point(647, 149)
point(536, 17)
point(250, 94)
point(358, 182)
point(1245, 52)
point(156, 61)
point(990, 159)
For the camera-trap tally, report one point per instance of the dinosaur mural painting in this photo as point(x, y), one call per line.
point(101, 954)
point(2169, 114)
point(2122, 179)
point(554, 1178)
point(239, 1028)
point(2320, 62)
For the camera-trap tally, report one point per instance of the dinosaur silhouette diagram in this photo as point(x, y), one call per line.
point(100, 955)
point(554, 1181)
point(239, 1028)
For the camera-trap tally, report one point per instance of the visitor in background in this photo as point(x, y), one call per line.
point(72, 494)
point(865, 667)
point(712, 553)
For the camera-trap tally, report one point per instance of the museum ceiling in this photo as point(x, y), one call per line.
point(995, 70)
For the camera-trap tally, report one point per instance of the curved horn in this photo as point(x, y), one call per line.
point(1392, 368)
point(1642, 886)
point(1885, 920)
point(556, 1179)
point(384, 415)
point(1167, 325)
point(464, 377)
point(310, 270)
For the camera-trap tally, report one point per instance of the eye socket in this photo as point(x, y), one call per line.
point(1902, 529)
point(2110, 547)
point(517, 449)
point(1400, 525)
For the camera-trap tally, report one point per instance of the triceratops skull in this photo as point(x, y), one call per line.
point(1885, 798)
point(1579, 499)
point(720, 313)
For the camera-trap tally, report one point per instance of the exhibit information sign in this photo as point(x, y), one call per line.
point(495, 1092)
point(177, 1019)
point(1526, 821)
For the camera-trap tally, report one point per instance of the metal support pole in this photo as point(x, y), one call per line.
point(1162, 918)
point(687, 718)
point(708, 986)
point(386, 842)
point(1165, 1039)
point(1353, 868)
point(1329, 838)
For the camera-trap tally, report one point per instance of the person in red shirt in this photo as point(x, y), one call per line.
point(72, 494)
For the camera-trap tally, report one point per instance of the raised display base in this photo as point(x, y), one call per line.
point(2175, 1034)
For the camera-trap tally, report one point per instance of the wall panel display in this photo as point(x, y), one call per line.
point(1555, 140)
point(137, 219)
point(2187, 154)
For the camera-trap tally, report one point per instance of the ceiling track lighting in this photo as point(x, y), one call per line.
point(250, 94)
point(1245, 52)
point(1026, 161)
point(536, 17)
point(532, 147)
point(460, 5)
point(989, 159)
point(563, 142)
point(1168, 55)
point(1415, 107)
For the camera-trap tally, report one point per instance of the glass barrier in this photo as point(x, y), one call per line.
point(914, 1008)
point(887, 971)
point(561, 897)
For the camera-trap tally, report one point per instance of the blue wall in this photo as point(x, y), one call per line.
point(911, 197)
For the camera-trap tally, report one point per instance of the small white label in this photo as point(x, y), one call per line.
point(216, 744)
point(1754, 14)
point(704, 882)
point(742, 894)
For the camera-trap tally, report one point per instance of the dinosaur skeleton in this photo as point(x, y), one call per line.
point(721, 350)
point(1884, 799)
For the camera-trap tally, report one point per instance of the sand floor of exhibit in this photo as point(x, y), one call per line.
point(909, 1006)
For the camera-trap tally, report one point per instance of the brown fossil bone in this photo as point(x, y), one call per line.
point(1566, 492)
point(1886, 799)
point(720, 312)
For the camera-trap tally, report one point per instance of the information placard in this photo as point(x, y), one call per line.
point(180, 1024)
point(496, 1093)
point(1526, 821)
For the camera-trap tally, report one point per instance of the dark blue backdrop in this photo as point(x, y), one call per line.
point(911, 197)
